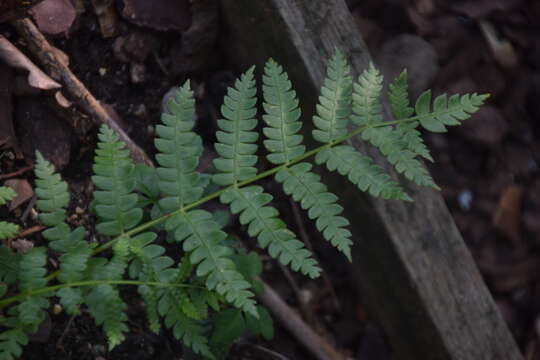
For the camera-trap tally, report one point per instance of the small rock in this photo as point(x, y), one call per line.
point(22, 245)
point(134, 47)
point(54, 16)
point(137, 73)
point(486, 127)
point(464, 199)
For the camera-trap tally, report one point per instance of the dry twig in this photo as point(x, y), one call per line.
point(41, 48)
point(290, 320)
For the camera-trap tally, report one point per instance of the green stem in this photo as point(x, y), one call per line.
point(48, 289)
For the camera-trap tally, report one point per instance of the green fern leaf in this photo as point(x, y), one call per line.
point(108, 309)
point(366, 104)
point(115, 181)
point(8, 230)
point(398, 96)
point(71, 298)
point(306, 188)
point(236, 142)
point(361, 171)
point(53, 197)
point(446, 111)
point(236, 163)
point(9, 263)
point(334, 107)
point(10, 343)
point(191, 332)
point(282, 111)
point(271, 232)
point(202, 237)
point(52, 192)
point(282, 114)
point(6, 194)
point(179, 151)
point(368, 112)
point(31, 275)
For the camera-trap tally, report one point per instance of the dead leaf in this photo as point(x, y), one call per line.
point(23, 189)
point(54, 16)
point(13, 57)
point(160, 15)
point(502, 49)
point(508, 214)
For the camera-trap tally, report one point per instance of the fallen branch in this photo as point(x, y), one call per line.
point(291, 321)
point(44, 52)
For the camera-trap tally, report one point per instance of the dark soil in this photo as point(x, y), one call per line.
point(488, 169)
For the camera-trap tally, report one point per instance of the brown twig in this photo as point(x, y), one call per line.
point(40, 47)
point(290, 320)
point(31, 230)
point(16, 173)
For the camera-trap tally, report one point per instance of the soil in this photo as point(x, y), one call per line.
point(488, 169)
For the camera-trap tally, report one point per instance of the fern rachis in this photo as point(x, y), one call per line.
point(209, 278)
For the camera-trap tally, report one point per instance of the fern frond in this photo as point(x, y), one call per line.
point(237, 163)
point(108, 309)
point(334, 107)
point(104, 302)
point(179, 151)
point(202, 238)
point(10, 343)
point(447, 111)
point(361, 170)
point(389, 140)
point(271, 232)
point(31, 275)
point(191, 332)
point(398, 96)
point(8, 265)
point(115, 181)
point(8, 230)
point(53, 197)
point(366, 105)
point(236, 140)
point(282, 114)
point(6, 194)
point(52, 192)
point(306, 188)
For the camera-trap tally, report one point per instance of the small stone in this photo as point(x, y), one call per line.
point(79, 210)
point(137, 73)
point(102, 71)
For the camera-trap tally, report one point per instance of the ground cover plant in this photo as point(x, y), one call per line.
point(210, 283)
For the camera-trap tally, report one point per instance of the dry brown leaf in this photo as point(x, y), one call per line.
point(54, 16)
point(23, 189)
point(508, 214)
point(13, 57)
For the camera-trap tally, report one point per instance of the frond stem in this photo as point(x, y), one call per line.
point(48, 289)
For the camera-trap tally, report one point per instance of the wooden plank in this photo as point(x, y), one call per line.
point(414, 271)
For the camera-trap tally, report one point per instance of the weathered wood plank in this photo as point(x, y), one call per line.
point(415, 273)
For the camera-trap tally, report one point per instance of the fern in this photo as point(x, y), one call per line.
point(282, 114)
point(207, 297)
point(201, 236)
point(236, 164)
